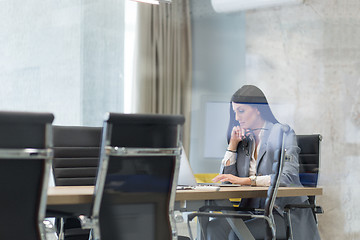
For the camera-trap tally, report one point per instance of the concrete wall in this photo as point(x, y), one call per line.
point(64, 57)
point(40, 57)
point(308, 57)
point(102, 59)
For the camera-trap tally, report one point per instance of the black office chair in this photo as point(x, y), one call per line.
point(76, 155)
point(136, 184)
point(25, 162)
point(265, 214)
point(309, 161)
point(76, 158)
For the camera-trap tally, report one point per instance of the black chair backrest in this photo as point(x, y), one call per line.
point(24, 130)
point(309, 158)
point(76, 155)
point(25, 161)
point(140, 155)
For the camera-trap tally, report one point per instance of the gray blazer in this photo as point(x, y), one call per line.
point(303, 221)
point(270, 145)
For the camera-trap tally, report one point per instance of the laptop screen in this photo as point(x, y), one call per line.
point(186, 175)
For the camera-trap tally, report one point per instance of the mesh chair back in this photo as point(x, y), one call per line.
point(76, 155)
point(25, 161)
point(140, 158)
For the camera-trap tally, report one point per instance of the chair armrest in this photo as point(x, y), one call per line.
point(243, 216)
point(86, 222)
point(315, 208)
point(191, 216)
point(49, 226)
point(226, 208)
point(318, 210)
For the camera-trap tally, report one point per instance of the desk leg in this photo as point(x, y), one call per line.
point(240, 229)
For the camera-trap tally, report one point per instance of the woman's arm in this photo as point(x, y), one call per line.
point(233, 179)
point(290, 173)
point(229, 160)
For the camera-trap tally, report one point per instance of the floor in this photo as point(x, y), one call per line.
point(181, 226)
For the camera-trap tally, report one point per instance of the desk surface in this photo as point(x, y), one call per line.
point(84, 194)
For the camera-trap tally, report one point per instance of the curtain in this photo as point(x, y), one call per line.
point(162, 75)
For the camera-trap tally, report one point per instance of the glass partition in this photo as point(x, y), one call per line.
point(79, 59)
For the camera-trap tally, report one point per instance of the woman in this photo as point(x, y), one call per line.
point(253, 140)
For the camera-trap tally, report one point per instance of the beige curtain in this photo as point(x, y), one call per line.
point(163, 61)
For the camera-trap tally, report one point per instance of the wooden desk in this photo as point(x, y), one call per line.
point(70, 195)
point(77, 199)
point(83, 194)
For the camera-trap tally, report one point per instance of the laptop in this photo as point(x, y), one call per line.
point(187, 179)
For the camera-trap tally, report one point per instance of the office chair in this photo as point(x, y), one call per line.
point(76, 157)
point(25, 162)
point(135, 188)
point(309, 161)
point(265, 214)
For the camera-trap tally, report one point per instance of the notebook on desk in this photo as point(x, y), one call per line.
point(187, 179)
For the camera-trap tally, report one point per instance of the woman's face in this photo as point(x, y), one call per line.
point(247, 116)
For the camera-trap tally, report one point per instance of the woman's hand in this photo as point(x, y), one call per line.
point(233, 179)
point(237, 135)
